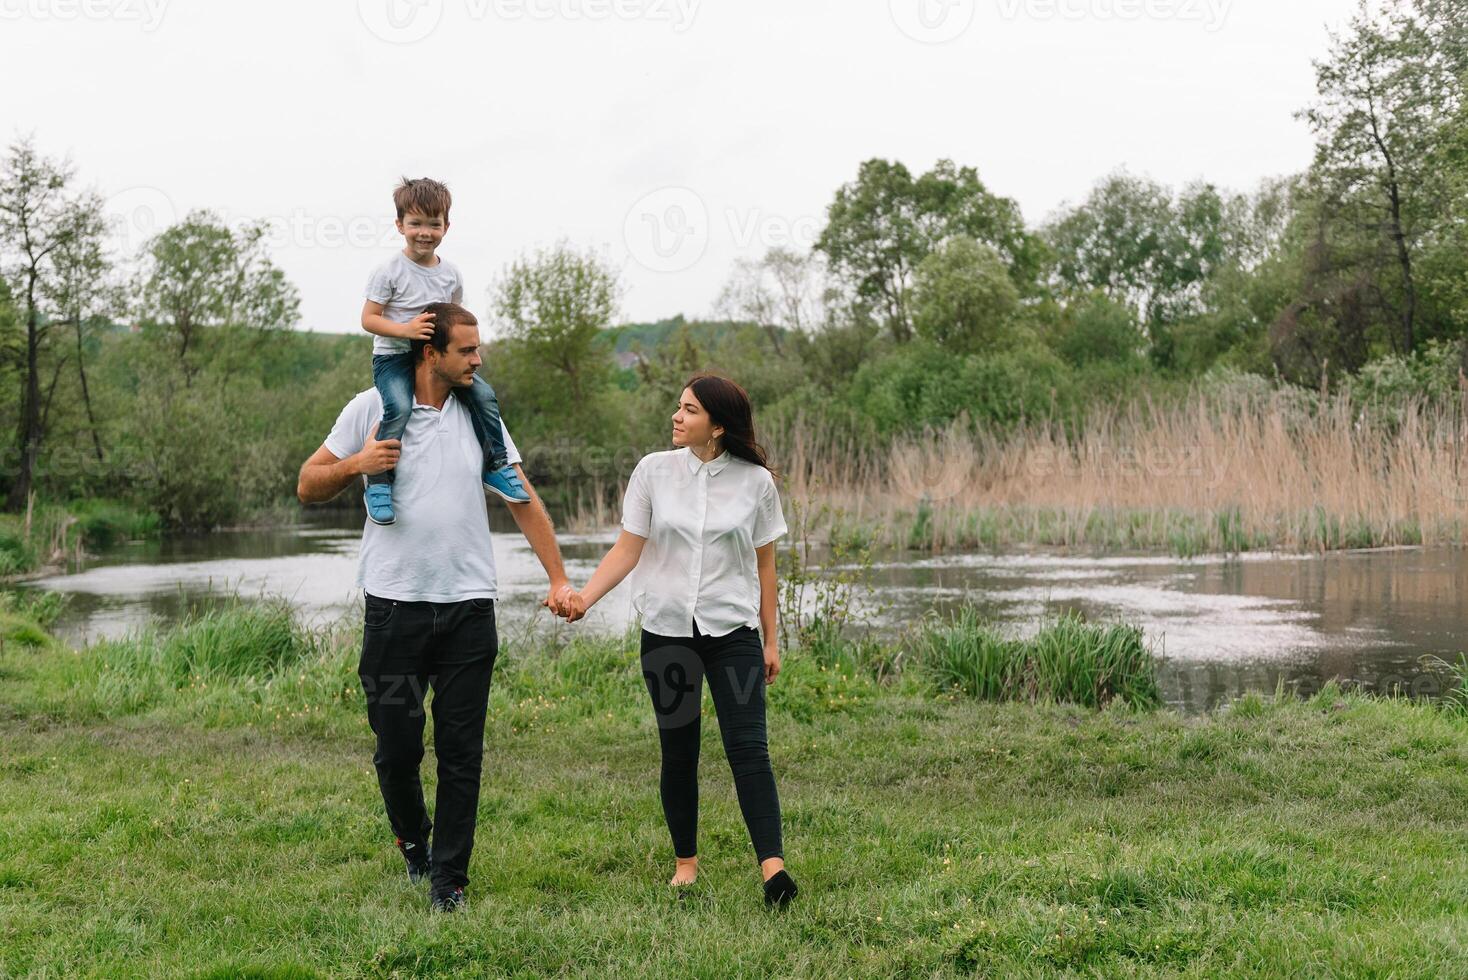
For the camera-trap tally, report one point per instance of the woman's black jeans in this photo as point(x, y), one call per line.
point(409, 648)
point(674, 668)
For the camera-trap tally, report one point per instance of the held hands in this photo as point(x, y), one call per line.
point(566, 602)
point(418, 328)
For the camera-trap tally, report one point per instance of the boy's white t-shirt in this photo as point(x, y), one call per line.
point(439, 550)
point(404, 288)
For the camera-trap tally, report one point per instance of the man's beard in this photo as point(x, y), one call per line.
point(454, 380)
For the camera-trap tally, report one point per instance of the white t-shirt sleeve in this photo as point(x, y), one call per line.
point(637, 502)
point(380, 285)
point(349, 434)
point(457, 294)
point(769, 519)
point(512, 454)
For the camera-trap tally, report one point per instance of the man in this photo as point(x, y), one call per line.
point(429, 584)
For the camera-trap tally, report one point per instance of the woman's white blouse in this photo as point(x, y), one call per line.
point(702, 522)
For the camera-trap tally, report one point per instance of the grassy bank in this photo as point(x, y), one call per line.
point(48, 534)
point(200, 802)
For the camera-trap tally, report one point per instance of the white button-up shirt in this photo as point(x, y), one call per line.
point(702, 522)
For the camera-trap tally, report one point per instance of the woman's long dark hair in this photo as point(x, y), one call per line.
point(728, 405)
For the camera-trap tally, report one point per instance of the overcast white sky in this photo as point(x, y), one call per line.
point(671, 135)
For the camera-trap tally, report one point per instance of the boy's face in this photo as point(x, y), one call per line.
point(422, 233)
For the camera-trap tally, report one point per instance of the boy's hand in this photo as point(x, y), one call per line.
point(418, 328)
point(377, 457)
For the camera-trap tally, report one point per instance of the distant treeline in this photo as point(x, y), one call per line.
point(927, 298)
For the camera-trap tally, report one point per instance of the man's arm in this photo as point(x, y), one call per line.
point(535, 524)
point(324, 475)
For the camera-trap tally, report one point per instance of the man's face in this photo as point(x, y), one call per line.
point(457, 364)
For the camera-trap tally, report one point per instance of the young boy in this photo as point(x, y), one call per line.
point(396, 296)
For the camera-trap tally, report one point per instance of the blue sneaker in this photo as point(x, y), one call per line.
point(379, 503)
point(506, 482)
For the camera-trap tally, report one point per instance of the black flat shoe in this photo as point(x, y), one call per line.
point(780, 889)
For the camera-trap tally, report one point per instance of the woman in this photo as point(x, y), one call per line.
point(700, 523)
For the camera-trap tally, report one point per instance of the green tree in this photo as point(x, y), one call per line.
point(963, 297)
point(201, 274)
point(1383, 95)
point(1136, 242)
point(882, 225)
point(552, 306)
point(1096, 328)
point(39, 214)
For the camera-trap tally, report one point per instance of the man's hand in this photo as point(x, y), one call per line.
point(555, 599)
point(772, 661)
point(377, 457)
point(565, 602)
point(418, 328)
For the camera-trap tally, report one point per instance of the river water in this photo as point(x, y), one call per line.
point(1223, 626)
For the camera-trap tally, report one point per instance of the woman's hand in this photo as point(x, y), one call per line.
point(772, 661)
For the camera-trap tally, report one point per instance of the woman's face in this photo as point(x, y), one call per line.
point(691, 424)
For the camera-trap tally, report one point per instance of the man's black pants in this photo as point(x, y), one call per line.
point(409, 648)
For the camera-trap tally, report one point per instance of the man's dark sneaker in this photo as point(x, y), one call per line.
point(419, 858)
point(447, 898)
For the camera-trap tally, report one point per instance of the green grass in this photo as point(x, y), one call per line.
point(1068, 661)
point(228, 824)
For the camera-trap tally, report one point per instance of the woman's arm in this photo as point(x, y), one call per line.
point(613, 568)
point(769, 609)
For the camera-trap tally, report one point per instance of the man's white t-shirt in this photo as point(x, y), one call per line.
point(703, 522)
point(404, 288)
point(439, 549)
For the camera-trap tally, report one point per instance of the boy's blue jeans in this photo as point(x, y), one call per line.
point(393, 376)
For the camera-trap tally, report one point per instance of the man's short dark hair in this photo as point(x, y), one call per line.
point(446, 316)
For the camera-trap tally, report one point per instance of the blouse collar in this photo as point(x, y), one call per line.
point(714, 465)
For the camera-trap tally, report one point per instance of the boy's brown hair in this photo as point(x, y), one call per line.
point(424, 195)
